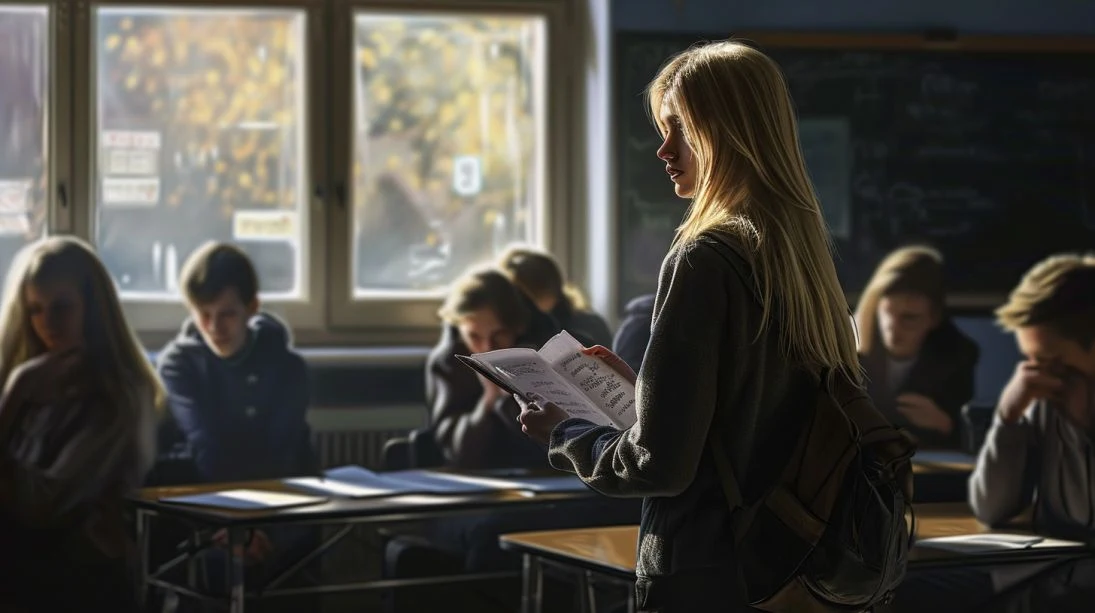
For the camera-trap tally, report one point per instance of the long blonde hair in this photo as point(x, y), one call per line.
point(915, 269)
point(126, 374)
point(736, 114)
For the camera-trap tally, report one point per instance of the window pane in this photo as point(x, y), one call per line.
point(24, 128)
point(200, 137)
point(448, 146)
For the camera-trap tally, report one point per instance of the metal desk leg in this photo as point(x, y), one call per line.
point(586, 594)
point(235, 569)
point(144, 534)
point(532, 588)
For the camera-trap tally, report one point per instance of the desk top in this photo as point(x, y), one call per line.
point(613, 549)
point(391, 508)
point(937, 462)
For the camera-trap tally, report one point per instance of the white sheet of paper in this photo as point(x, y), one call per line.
point(992, 542)
point(529, 371)
point(339, 488)
point(246, 499)
point(591, 375)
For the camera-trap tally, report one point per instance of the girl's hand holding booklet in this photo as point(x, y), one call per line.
point(582, 385)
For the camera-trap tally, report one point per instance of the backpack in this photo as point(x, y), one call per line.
point(834, 532)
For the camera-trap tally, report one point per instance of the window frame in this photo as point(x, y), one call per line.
point(331, 315)
point(157, 316)
point(379, 315)
point(58, 218)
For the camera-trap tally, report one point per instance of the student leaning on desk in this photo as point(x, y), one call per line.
point(1039, 448)
point(748, 312)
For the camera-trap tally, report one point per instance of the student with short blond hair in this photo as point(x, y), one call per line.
point(1039, 449)
point(473, 422)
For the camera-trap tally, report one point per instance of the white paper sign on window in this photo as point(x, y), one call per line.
point(467, 175)
point(130, 153)
point(264, 225)
point(131, 192)
point(14, 206)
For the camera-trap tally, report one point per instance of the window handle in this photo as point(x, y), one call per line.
point(340, 194)
point(62, 194)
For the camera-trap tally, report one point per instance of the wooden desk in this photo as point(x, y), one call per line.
point(926, 462)
point(344, 512)
point(941, 476)
point(610, 552)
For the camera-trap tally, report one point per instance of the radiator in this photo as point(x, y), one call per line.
point(361, 447)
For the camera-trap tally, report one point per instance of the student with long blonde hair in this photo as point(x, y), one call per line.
point(748, 311)
point(919, 365)
point(77, 424)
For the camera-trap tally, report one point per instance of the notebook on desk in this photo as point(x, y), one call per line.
point(991, 542)
point(246, 500)
point(358, 482)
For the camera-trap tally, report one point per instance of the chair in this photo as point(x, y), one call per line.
point(416, 450)
point(976, 420)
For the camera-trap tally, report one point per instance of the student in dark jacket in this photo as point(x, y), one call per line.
point(238, 393)
point(473, 422)
point(748, 311)
point(919, 365)
point(538, 275)
point(633, 335)
point(237, 390)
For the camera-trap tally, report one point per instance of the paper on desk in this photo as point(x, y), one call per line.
point(334, 487)
point(991, 542)
point(246, 499)
point(437, 482)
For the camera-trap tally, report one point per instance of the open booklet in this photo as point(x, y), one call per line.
point(582, 385)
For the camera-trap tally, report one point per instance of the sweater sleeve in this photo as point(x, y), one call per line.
point(677, 389)
point(201, 424)
point(100, 460)
point(466, 430)
point(1003, 482)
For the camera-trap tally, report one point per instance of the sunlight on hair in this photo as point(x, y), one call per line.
point(738, 118)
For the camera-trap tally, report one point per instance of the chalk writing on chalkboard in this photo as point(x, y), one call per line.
point(826, 145)
point(958, 149)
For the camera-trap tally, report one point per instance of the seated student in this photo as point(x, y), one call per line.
point(633, 335)
point(77, 428)
point(538, 275)
point(1040, 447)
point(473, 421)
point(919, 365)
point(237, 390)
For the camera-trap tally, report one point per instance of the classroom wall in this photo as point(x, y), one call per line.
point(1073, 17)
point(1018, 17)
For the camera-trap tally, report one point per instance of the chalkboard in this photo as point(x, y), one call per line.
point(988, 155)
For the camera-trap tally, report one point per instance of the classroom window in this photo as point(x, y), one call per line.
point(200, 134)
point(24, 127)
point(448, 145)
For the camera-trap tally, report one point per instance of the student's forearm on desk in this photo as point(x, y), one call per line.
point(1002, 484)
